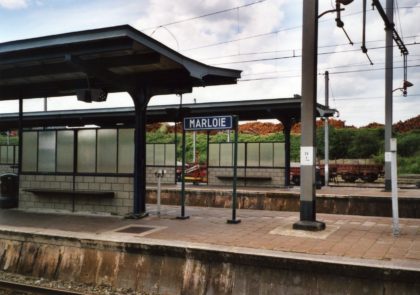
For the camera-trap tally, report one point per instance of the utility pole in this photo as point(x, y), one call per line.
point(388, 91)
point(307, 146)
point(326, 132)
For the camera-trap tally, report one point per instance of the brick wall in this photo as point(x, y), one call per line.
point(121, 204)
point(276, 175)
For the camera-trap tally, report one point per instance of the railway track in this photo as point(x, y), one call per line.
point(7, 287)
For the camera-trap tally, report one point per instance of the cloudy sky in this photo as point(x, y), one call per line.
point(260, 37)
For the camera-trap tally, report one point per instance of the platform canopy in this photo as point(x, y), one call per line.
point(114, 59)
point(280, 108)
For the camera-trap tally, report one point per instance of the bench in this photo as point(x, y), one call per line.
point(263, 178)
point(64, 192)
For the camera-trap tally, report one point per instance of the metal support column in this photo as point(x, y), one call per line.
point(287, 127)
point(326, 133)
point(183, 216)
point(309, 92)
point(394, 184)
point(234, 220)
point(141, 100)
point(20, 133)
point(388, 91)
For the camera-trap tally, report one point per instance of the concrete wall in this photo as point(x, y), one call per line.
point(276, 175)
point(185, 269)
point(409, 207)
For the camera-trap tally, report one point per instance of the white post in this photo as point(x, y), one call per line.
point(194, 152)
point(394, 187)
point(326, 133)
point(158, 196)
point(159, 174)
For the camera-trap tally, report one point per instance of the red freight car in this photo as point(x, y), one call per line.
point(347, 172)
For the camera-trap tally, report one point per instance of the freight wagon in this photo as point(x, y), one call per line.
point(347, 172)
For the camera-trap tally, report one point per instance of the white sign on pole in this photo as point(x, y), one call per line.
point(307, 155)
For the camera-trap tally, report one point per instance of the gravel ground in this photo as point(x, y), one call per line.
point(70, 286)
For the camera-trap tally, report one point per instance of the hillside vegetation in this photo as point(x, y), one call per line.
point(345, 141)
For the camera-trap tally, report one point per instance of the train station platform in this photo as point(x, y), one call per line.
point(205, 255)
point(336, 199)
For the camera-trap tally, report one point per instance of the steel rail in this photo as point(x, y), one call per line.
point(30, 289)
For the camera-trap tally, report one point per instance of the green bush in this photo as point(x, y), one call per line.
point(344, 143)
point(409, 165)
point(408, 143)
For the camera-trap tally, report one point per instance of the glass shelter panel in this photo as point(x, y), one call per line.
point(214, 152)
point(86, 151)
point(170, 154)
point(65, 151)
point(241, 154)
point(16, 154)
point(10, 154)
point(107, 151)
point(226, 154)
point(46, 151)
point(266, 154)
point(159, 154)
point(3, 154)
point(29, 151)
point(253, 152)
point(150, 155)
point(279, 156)
point(125, 150)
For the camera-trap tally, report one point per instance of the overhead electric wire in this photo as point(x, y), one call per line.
point(204, 15)
point(243, 38)
point(295, 56)
point(287, 50)
point(259, 35)
point(375, 97)
point(369, 70)
point(359, 65)
point(319, 74)
point(321, 69)
point(290, 50)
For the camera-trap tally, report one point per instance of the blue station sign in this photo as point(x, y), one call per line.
point(208, 123)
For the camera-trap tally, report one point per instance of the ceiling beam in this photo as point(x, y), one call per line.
point(98, 72)
point(58, 52)
point(64, 68)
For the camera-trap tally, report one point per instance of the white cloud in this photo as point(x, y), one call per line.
point(13, 4)
point(262, 18)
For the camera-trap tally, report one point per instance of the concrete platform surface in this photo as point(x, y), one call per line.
point(354, 240)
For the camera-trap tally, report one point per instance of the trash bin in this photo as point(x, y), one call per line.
point(318, 179)
point(9, 190)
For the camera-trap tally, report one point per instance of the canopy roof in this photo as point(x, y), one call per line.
point(115, 59)
point(282, 108)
